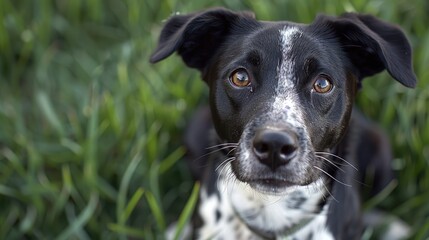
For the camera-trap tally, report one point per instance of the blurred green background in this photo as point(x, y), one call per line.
point(90, 132)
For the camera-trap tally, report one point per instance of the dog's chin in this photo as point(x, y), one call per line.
point(277, 187)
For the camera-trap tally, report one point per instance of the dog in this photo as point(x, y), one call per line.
point(289, 152)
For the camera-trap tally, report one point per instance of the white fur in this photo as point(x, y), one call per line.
point(221, 229)
point(286, 100)
point(317, 226)
point(250, 208)
point(284, 97)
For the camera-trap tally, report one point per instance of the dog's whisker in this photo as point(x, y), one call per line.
point(354, 179)
point(226, 161)
point(221, 167)
point(230, 182)
point(338, 157)
point(223, 145)
point(223, 171)
point(228, 177)
point(214, 151)
point(230, 151)
point(225, 175)
point(329, 192)
point(222, 148)
point(330, 162)
point(333, 178)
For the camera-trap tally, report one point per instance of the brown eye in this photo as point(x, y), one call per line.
point(322, 85)
point(240, 78)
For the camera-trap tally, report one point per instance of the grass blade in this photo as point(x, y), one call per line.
point(132, 232)
point(171, 160)
point(377, 199)
point(131, 205)
point(82, 219)
point(156, 211)
point(186, 214)
point(126, 179)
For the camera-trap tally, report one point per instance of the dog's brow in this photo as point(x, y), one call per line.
point(254, 57)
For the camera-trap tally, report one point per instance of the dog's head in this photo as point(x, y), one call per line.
point(284, 91)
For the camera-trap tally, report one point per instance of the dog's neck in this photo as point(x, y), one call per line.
point(287, 213)
point(299, 212)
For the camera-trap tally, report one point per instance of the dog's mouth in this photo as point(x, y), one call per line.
point(280, 181)
point(271, 186)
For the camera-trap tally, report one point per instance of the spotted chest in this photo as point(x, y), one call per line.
point(236, 211)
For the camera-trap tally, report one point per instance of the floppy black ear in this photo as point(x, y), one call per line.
point(196, 37)
point(373, 45)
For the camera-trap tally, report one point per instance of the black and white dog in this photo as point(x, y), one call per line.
point(291, 152)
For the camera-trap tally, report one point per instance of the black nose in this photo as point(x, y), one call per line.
point(274, 147)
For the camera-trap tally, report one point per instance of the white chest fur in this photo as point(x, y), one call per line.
point(239, 212)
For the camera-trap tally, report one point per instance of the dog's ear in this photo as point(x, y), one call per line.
point(196, 37)
point(372, 45)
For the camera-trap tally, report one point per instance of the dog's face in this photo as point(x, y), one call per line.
point(282, 94)
point(284, 91)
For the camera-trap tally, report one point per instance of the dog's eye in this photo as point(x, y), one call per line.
point(322, 85)
point(240, 78)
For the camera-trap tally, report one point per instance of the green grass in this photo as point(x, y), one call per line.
point(90, 132)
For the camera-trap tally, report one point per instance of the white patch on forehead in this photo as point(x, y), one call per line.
point(285, 97)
